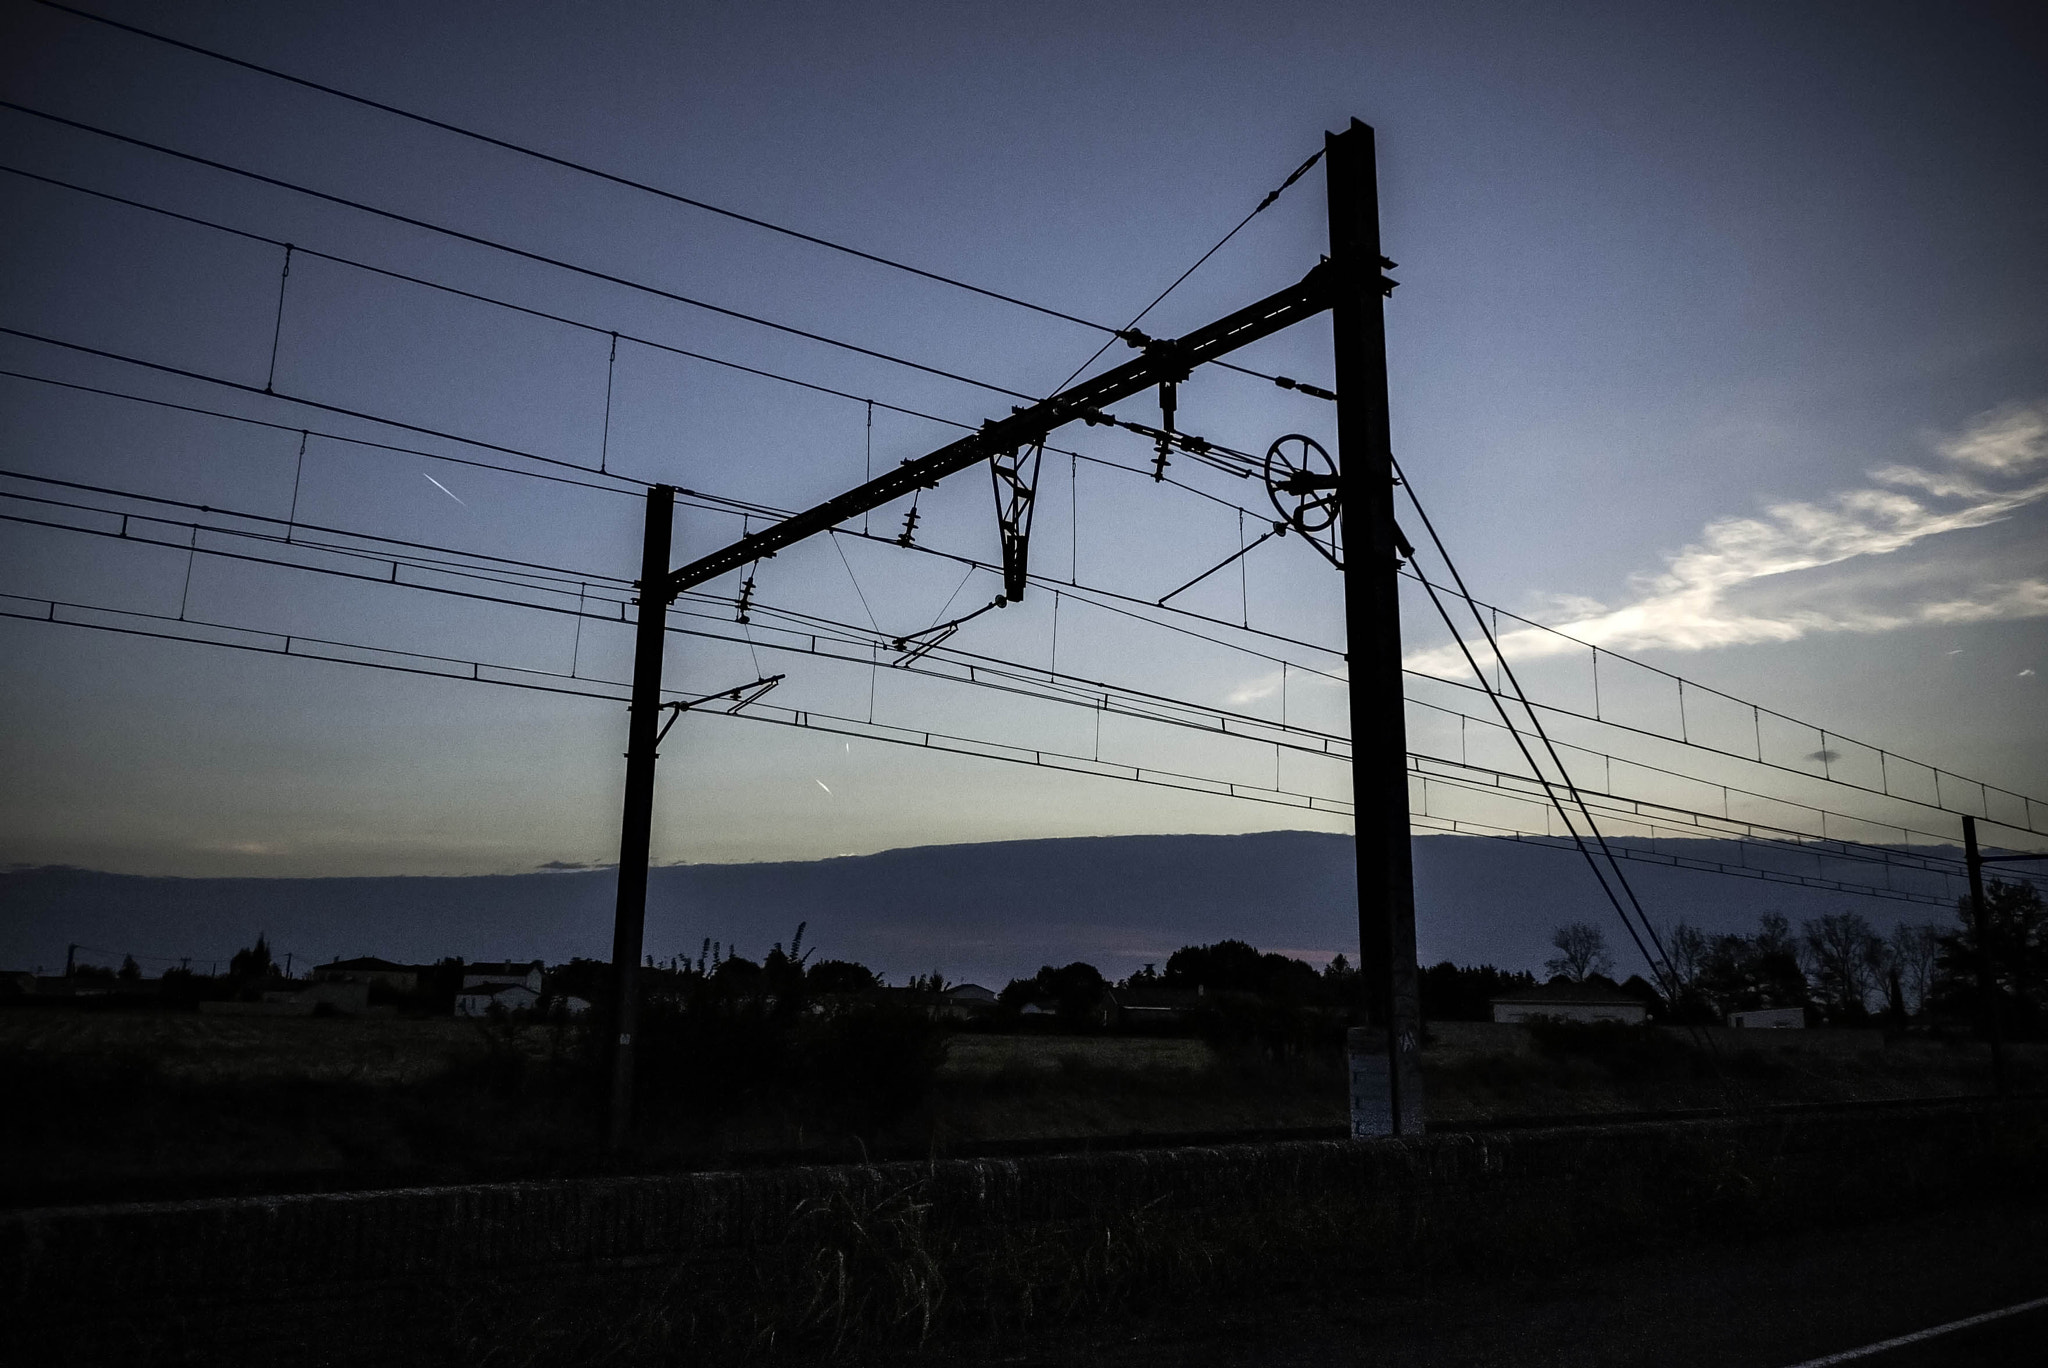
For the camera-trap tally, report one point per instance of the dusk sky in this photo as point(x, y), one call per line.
point(1721, 342)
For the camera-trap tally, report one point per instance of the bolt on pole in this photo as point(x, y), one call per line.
point(1386, 1064)
point(636, 828)
point(1986, 985)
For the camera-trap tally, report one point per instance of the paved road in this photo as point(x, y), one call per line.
point(2009, 1341)
point(1751, 1306)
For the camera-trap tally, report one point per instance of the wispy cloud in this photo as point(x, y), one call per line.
point(1253, 690)
point(1268, 685)
point(1727, 588)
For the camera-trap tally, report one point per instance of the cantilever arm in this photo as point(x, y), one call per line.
point(1304, 299)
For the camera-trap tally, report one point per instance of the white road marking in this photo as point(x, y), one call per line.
point(1850, 1355)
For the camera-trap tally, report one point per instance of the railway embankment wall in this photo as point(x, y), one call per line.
point(771, 1260)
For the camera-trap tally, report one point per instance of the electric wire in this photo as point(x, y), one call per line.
point(1659, 963)
point(303, 431)
point(1716, 825)
point(1079, 590)
point(731, 505)
point(1093, 693)
point(1097, 696)
point(505, 144)
point(2026, 800)
point(765, 511)
point(1238, 464)
point(1656, 968)
point(972, 747)
point(1124, 332)
point(1685, 682)
point(1465, 826)
point(525, 254)
point(457, 291)
point(538, 681)
point(1491, 782)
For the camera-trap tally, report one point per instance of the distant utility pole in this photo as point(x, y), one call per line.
point(1386, 1069)
point(1986, 983)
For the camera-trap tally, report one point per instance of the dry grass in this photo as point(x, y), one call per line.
point(145, 1104)
point(195, 1048)
point(987, 1056)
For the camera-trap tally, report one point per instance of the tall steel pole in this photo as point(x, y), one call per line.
point(1986, 983)
point(636, 827)
point(1386, 1073)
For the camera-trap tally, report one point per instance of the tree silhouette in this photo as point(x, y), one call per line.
point(1848, 960)
point(2015, 956)
point(1581, 952)
point(254, 962)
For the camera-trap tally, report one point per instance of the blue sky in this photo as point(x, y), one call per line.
point(1721, 341)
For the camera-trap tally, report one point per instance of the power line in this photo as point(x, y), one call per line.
point(1727, 790)
point(982, 671)
point(327, 436)
point(474, 295)
point(694, 203)
point(720, 503)
point(729, 504)
point(1561, 711)
point(1659, 962)
point(855, 728)
point(568, 573)
point(1467, 827)
point(1011, 677)
point(1491, 782)
point(1239, 465)
point(422, 664)
point(521, 252)
point(1126, 333)
point(1079, 590)
point(164, 150)
point(1756, 708)
point(579, 167)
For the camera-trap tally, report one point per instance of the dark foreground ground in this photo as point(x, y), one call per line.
point(1772, 1304)
point(1764, 1240)
point(112, 1106)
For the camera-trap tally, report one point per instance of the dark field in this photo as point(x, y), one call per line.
point(133, 1105)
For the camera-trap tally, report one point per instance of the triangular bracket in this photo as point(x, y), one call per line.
point(1014, 474)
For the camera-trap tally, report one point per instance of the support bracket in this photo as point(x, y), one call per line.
point(1014, 475)
point(739, 698)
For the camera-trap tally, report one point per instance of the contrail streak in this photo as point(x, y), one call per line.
point(443, 488)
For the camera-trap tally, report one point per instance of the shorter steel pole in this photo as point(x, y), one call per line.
point(637, 824)
point(1986, 985)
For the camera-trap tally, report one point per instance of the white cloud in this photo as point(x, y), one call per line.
point(1726, 588)
point(1253, 690)
point(1268, 685)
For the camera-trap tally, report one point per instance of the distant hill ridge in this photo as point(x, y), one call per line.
point(985, 912)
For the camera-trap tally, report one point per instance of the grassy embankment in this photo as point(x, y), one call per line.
point(116, 1105)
